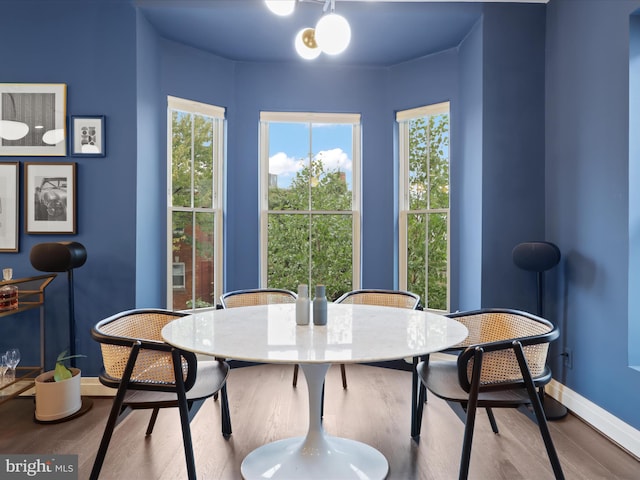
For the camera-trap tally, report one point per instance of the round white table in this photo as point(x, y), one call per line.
point(353, 334)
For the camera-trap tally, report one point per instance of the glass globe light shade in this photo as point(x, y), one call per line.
point(306, 45)
point(281, 7)
point(333, 34)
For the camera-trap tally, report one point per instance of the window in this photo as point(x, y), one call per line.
point(310, 206)
point(424, 203)
point(178, 276)
point(194, 203)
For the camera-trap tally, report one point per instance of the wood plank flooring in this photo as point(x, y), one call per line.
point(374, 409)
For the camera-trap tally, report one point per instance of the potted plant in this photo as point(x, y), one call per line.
point(58, 391)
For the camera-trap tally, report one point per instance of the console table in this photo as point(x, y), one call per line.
point(30, 295)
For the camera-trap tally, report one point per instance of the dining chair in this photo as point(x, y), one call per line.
point(379, 297)
point(259, 296)
point(502, 363)
point(150, 374)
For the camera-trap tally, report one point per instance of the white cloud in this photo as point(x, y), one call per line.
point(335, 159)
point(282, 164)
point(285, 166)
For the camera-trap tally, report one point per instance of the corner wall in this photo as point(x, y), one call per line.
point(587, 196)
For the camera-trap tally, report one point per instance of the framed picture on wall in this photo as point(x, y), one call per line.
point(33, 119)
point(9, 174)
point(50, 197)
point(87, 136)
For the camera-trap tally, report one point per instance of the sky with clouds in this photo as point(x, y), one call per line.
point(290, 143)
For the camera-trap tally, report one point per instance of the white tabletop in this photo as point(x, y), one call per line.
point(353, 334)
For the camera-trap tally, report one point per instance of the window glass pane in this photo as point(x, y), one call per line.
point(181, 158)
point(332, 179)
point(178, 275)
point(439, 161)
point(332, 253)
point(418, 163)
point(288, 251)
point(203, 161)
point(289, 147)
point(182, 253)
point(416, 254)
point(437, 285)
point(204, 245)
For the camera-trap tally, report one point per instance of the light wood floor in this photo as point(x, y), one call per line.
point(265, 407)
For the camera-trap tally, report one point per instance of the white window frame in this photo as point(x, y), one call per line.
point(308, 117)
point(402, 118)
point(218, 114)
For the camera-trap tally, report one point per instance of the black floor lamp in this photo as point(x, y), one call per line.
point(539, 257)
point(61, 257)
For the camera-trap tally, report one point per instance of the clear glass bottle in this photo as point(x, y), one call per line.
point(8, 293)
point(302, 305)
point(320, 306)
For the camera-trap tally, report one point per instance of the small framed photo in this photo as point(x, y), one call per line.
point(33, 119)
point(87, 136)
point(50, 197)
point(9, 174)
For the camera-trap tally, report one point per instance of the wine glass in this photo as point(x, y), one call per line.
point(3, 365)
point(13, 358)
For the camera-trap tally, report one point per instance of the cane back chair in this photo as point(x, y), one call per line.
point(150, 374)
point(502, 363)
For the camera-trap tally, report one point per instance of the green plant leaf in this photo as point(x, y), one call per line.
point(61, 373)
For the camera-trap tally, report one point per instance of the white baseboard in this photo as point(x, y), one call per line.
point(623, 434)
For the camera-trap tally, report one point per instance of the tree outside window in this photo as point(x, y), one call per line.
point(310, 210)
point(424, 203)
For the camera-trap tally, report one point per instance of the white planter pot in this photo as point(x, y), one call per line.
point(56, 400)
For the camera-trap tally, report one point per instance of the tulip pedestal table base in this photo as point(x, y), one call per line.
point(316, 456)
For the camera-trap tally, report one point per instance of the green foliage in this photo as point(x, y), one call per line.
point(429, 190)
point(312, 246)
point(61, 371)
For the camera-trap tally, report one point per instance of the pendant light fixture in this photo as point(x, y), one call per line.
point(333, 32)
point(281, 7)
point(331, 35)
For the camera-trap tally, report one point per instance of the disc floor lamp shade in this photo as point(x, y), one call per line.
point(539, 257)
point(61, 257)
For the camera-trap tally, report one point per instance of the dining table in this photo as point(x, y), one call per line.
point(352, 334)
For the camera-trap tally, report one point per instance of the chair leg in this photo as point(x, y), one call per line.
point(415, 398)
point(152, 421)
point(472, 406)
point(225, 412)
point(296, 367)
point(184, 416)
point(115, 413)
point(492, 420)
point(344, 376)
point(540, 416)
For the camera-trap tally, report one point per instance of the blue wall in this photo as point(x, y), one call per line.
point(90, 46)
point(466, 199)
point(634, 190)
point(587, 196)
point(512, 149)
